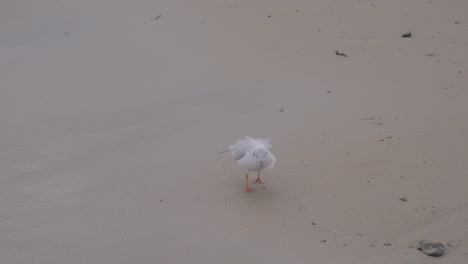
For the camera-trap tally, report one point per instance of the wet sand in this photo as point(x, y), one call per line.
point(116, 117)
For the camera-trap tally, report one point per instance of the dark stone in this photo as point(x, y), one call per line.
point(434, 249)
point(407, 35)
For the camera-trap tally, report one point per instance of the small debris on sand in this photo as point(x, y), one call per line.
point(407, 35)
point(454, 243)
point(340, 54)
point(157, 17)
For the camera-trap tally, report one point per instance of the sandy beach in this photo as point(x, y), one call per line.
point(116, 116)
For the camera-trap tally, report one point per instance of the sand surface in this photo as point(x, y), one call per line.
point(115, 117)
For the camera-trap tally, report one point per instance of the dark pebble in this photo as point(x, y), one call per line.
point(407, 35)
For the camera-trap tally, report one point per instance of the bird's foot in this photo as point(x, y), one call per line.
point(258, 181)
point(249, 190)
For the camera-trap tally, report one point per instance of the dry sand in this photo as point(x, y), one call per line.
point(113, 127)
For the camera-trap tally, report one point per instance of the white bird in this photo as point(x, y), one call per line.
point(253, 155)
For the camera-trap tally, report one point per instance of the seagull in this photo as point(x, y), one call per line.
point(253, 155)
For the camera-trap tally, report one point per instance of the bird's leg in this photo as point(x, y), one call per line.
point(258, 181)
point(247, 182)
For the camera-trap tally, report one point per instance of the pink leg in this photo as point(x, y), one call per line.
point(247, 182)
point(258, 181)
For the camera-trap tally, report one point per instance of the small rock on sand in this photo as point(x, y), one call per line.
point(407, 35)
point(434, 249)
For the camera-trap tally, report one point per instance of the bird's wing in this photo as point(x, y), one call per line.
point(240, 148)
point(273, 158)
point(265, 141)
